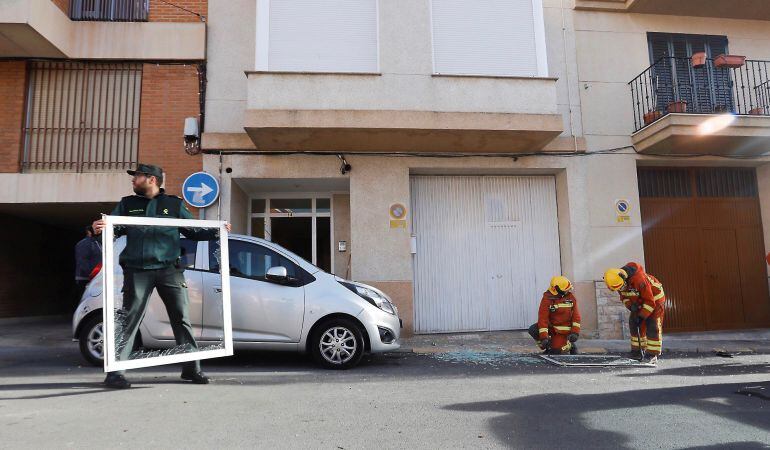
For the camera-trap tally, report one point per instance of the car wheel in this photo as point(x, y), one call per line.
point(92, 340)
point(337, 344)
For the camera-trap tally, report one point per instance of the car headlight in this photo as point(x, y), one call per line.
point(371, 296)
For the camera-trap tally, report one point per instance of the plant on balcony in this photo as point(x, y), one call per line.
point(677, 107)
point(759, 111)
point(651, 116)
point(729, 61)
point(698, 59)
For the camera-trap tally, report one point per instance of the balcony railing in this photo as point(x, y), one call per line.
point(673, 85)
point(110, 10)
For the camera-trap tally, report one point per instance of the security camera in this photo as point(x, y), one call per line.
point(344, 166)
point(192, 141)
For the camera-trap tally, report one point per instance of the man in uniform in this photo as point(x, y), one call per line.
point(151, 261)
point(643, 295)
point(558, 319)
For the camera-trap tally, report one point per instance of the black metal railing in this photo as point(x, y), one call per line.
point(110, 10)
point(673, 85)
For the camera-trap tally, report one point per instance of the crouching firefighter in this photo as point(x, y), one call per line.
point(558, 319)
point(643, 295)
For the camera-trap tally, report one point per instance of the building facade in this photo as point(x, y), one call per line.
point(87, 89)
point(459, 154)
point(454, 154)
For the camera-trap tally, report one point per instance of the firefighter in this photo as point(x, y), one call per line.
point(558, 319)
point(643, 295)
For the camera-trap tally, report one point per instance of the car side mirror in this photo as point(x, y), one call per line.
point(277, 274)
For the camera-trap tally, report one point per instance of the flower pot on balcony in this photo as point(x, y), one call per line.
point(729, 61)
point(761, 111)
point(677, 107)
point(698, 59)
point(652, 116)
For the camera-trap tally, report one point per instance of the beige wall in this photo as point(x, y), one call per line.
point(341, 211)
point(763, 180)
point(405, 81)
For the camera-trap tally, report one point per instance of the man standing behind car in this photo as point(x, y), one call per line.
point(88, 254)
point(151, 261)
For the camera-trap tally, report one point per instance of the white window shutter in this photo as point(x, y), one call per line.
point(488, 37)
point(321, 36)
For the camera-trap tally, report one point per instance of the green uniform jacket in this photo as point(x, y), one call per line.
point(155, 247)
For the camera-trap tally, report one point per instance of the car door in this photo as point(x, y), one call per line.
point(262, 311)
point(156, 323)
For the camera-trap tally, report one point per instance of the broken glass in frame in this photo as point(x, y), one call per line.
point(200, 304)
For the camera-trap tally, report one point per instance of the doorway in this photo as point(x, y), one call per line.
point(300, 223)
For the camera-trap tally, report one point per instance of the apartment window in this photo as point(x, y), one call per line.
point(110, 10)
point(82, 116)
point(317, 36)
point(489, 37)
point(707, 89)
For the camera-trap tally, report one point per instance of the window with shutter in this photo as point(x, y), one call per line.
point(488, 37)
point(317, 36)
point(706, 89)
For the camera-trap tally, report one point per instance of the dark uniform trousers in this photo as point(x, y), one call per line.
point(172, 289)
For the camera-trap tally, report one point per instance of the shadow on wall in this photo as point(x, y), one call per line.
point(558, 420)
point(36, 268)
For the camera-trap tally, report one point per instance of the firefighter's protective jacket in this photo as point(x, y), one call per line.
point(558, 315)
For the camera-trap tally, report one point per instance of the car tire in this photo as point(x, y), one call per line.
point(337, 344)
point(92, 340)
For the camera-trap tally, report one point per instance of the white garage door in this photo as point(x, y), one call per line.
point(486, 250)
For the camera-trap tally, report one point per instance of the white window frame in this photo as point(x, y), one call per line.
point(108, 284)
point(267, 215)
point(541, 51)
point(262, 47)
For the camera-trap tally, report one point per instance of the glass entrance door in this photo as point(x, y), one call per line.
point(300, 224)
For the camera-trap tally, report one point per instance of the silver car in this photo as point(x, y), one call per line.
point(287, 305)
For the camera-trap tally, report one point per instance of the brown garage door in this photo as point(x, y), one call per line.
point(703, 240)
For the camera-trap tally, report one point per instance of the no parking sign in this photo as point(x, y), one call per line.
point(622, 208)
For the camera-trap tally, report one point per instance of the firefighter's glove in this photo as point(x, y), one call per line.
point(545, 344)
point(573, 337)
point(639, 321)
point(634, 307)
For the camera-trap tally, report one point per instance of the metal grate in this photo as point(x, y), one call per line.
point(110, 10)
point(727, 182)
point(664, 183)
point(82, 116)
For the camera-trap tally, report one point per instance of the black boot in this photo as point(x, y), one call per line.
point(573, 350)
point(196, 376)
point(116, 381)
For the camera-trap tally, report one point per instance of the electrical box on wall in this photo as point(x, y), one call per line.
point(342, 246)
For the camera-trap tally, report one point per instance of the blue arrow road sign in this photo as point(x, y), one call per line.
point(200, 189)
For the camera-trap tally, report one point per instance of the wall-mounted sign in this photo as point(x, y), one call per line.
point(622, 209)
point(342, 246)
point(397, 211)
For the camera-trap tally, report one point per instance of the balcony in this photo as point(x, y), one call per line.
point(736, 9)
point(399, 113)
point(709, 109)
point(95, 29)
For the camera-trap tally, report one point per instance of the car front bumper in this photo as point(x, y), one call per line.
point(376, 321)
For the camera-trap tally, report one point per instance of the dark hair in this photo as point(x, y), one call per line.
point(159, 178)
point(90, 229)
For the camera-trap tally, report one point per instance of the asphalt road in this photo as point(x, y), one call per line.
point(48, 399)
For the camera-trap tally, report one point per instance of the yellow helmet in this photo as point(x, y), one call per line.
point(560, 285)
point(615, 279)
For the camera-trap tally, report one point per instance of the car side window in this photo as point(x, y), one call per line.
point(248, 260)
point(187, 254)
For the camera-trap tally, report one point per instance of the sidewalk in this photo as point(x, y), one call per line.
point(743, 341)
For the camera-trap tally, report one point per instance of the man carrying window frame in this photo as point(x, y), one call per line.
point(151, 260)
